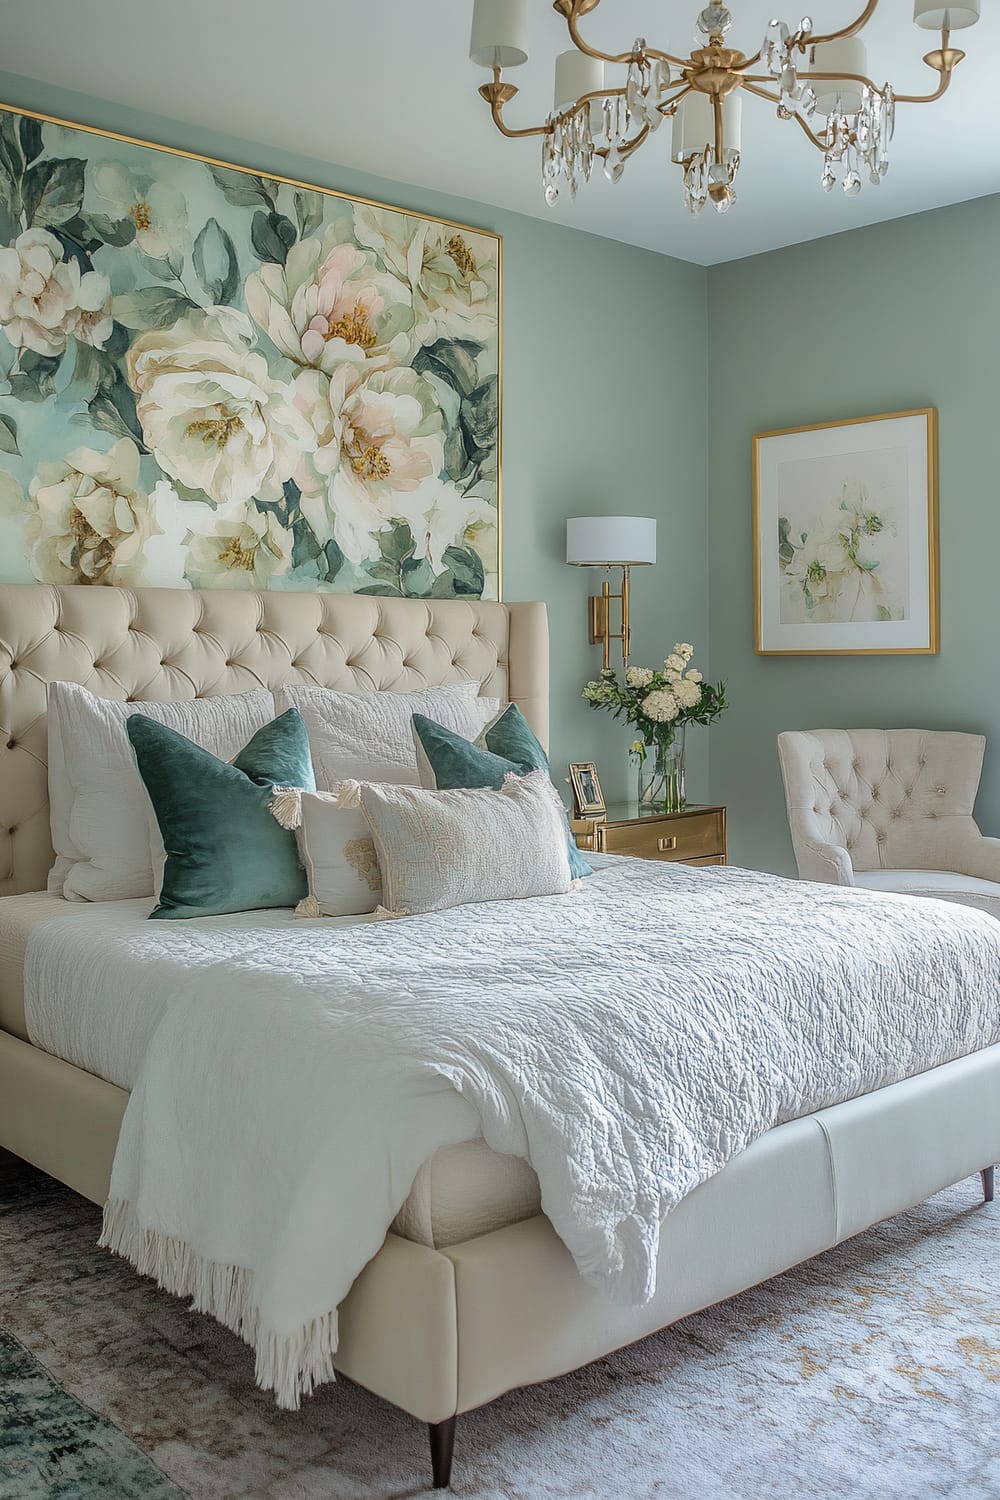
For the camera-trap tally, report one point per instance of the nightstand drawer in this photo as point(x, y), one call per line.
point(694, 836)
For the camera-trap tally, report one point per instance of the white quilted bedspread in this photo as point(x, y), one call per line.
point(628, 1039)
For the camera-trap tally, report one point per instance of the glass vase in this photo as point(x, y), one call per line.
point(661, 776)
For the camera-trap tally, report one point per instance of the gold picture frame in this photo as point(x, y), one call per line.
point(588, 797)
point(818, 588)
point(482, 538)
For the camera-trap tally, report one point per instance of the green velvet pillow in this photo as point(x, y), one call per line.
point(225, 852)
point(447, 761)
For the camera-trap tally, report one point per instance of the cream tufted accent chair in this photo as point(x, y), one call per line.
point(891, 810)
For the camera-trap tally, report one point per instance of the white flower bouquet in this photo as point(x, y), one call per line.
point(659, 704)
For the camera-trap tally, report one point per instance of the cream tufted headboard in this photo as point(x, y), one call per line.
point(179, 643)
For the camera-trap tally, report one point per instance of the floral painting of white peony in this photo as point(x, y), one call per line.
point(851, 560)
point(210, 378)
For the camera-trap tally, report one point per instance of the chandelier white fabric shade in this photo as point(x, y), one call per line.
point(694, 125)
point(615, 541)
point(499, 33)
point(576, 75)
point(850, 55)
point(934, 16)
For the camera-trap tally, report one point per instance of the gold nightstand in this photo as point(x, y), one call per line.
point(696, 836)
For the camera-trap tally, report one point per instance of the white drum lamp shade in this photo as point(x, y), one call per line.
point(576, 75)
point(933, 16)
point(499, 33)
point(694, 125)
point(616, 541)
point(849, 56)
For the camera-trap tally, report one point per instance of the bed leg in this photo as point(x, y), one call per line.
point(442, 1435)
point(988, 1174)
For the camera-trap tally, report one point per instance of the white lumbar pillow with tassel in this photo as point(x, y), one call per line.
point(335, 849)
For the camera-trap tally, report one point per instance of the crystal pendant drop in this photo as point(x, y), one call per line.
point(637, 80)
point(660, 83)
point(852, 182)
point(615, 126)
point(714, 20)
point(828, 181)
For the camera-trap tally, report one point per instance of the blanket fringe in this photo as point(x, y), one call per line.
point(290, 1365)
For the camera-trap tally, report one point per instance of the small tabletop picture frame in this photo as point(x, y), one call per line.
point(845, 537)
point(587, 795)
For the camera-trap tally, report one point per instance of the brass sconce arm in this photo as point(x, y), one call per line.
point(601, 633)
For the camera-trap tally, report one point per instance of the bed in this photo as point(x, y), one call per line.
point(472, 1292)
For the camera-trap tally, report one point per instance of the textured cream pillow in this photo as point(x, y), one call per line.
point(98, 805)
point(440, 849)
point(335, 850)
point(368, 736)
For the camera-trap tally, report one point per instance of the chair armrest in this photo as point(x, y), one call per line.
point(827, 863)
point(980, 857)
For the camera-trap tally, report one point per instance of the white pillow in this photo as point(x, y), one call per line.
point(441, 849)
point(335, 850)
point(368, 736)
point(98, 805)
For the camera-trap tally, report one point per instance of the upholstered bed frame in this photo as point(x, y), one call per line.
point(439, 1332)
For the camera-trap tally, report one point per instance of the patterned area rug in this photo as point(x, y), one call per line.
point(871, 1372)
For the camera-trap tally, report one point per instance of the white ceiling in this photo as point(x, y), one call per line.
point(386, 86)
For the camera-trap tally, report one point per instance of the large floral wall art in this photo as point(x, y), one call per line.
point(211, 378)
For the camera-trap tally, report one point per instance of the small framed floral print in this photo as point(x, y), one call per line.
point(845, 537)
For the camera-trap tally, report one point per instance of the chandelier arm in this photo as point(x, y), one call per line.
point(626, 148)
point(616, 57)
point(582, 46)
point(496, 107)
point(845, 31)
point(668, 57)
point(944, 62)
point(928, 98)
point(836, 77)
point(669, 106)
point(752, 88)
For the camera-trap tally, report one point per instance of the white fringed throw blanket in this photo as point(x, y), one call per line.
point(629, 1040)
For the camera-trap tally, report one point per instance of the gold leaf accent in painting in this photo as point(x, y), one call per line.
point(236, 555)
point(370, 462)
point(360, 855)
point(354, 328)
point(142, 215)
point(462, 255)
point(216, 430)
point(99, 550)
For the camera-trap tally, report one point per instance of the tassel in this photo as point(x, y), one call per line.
point(286, 806)
point(309, 907)
point(383, 914)
point(348, 794)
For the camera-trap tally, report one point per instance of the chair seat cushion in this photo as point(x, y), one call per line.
point(944, 885)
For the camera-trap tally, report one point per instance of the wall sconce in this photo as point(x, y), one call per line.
point(610, 542)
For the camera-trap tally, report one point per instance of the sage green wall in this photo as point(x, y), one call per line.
point(902, 315)
point(595, 417)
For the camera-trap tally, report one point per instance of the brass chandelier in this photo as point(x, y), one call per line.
point(818, 80)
